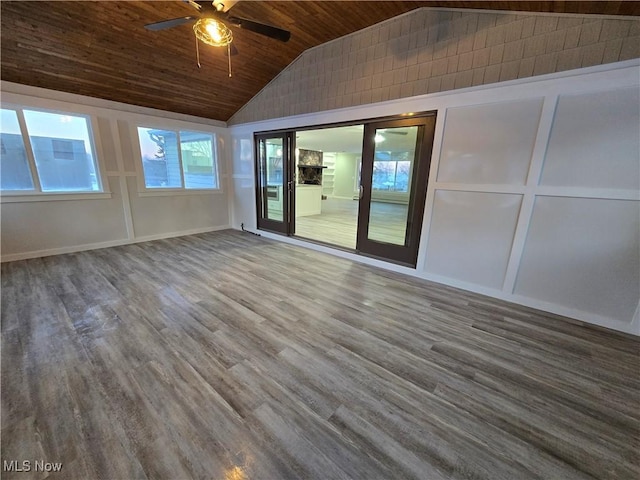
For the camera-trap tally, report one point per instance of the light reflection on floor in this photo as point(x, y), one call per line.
point(338, 223)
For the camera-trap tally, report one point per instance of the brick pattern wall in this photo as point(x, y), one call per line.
point(433, 50)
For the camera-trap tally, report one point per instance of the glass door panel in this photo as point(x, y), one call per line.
point(326, 190)
point(395, 168)
point(272, 174)
point(271, 150)
point(393, 164)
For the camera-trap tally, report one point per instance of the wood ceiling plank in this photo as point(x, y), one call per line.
point(101, 49)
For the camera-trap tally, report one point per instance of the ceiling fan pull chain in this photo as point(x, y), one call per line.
point(197, 53)
point(229, 55)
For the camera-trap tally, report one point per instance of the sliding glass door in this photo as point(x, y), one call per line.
point(360, 187)
point(395, 169)
point(327, 193)
point(273, 175)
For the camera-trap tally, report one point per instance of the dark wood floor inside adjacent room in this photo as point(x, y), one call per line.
point(228, 356)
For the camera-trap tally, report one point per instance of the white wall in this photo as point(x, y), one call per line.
point(533, 193)
point(44, 225)
point(346, 176)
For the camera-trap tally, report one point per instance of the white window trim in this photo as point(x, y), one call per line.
point(144, 191)
point(29, 196)
point(37, 194)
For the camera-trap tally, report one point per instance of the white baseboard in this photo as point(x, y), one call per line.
point(338, 197)
point(112, 243)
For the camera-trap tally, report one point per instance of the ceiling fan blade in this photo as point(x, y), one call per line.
point(261, 28)
point(174, 22)
point(194, 4)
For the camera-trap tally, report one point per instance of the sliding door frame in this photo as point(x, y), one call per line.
point(406, 254)
point(418, 183)
point(285, 226)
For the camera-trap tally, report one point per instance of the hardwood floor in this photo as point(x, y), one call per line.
point(338, 223)
point(230, 356)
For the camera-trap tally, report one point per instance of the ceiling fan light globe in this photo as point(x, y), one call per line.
point(212, 32)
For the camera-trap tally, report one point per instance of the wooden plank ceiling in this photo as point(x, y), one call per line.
point(101, 49)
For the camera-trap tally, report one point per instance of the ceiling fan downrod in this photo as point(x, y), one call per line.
point(198, 55)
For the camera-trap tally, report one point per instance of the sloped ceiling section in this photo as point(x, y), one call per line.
point(433, 50)
point(101, 49)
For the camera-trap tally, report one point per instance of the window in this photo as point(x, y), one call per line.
point(14, 166)
point(60, 155)
point(391, 174)
point(178, 159)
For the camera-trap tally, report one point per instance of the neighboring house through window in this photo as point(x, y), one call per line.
point(178, 159)
point(59, 151)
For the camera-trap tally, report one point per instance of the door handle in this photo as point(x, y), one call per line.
point(360, 193)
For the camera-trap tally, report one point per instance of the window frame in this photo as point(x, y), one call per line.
point(145, 191)
point(37, 193)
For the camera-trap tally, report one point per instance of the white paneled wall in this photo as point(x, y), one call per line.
point(53, 225)
point(533, 192)
point(594, 141)
point(583, 253)
point(489, 144)
point(583, 245)
point(122, 214)
point(471, 235)
point(578, 170)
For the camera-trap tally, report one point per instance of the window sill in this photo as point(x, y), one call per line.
point(51, 197)
point(167, 192)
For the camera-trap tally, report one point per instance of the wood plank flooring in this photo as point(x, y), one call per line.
point(338, 223)
point(229, 356)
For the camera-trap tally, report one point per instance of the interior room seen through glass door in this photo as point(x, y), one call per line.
point(327, 184)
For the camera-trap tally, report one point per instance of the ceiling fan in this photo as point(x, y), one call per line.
point(212, 25)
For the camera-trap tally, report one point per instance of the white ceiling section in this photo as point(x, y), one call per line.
point(349, 139)
point(337, 139)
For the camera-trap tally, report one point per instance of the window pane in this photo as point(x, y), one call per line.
point(403, 172)
point(198, 161)
point(393, 162)
point(160, 162)
point(63, 153)
point(14, 168)
point(383, 172)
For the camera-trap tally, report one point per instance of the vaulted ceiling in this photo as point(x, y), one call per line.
point(101, 49)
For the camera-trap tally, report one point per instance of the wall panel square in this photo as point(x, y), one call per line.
point(583, 253)
point(595, 141)
point(471, 235)
point(489, 144)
